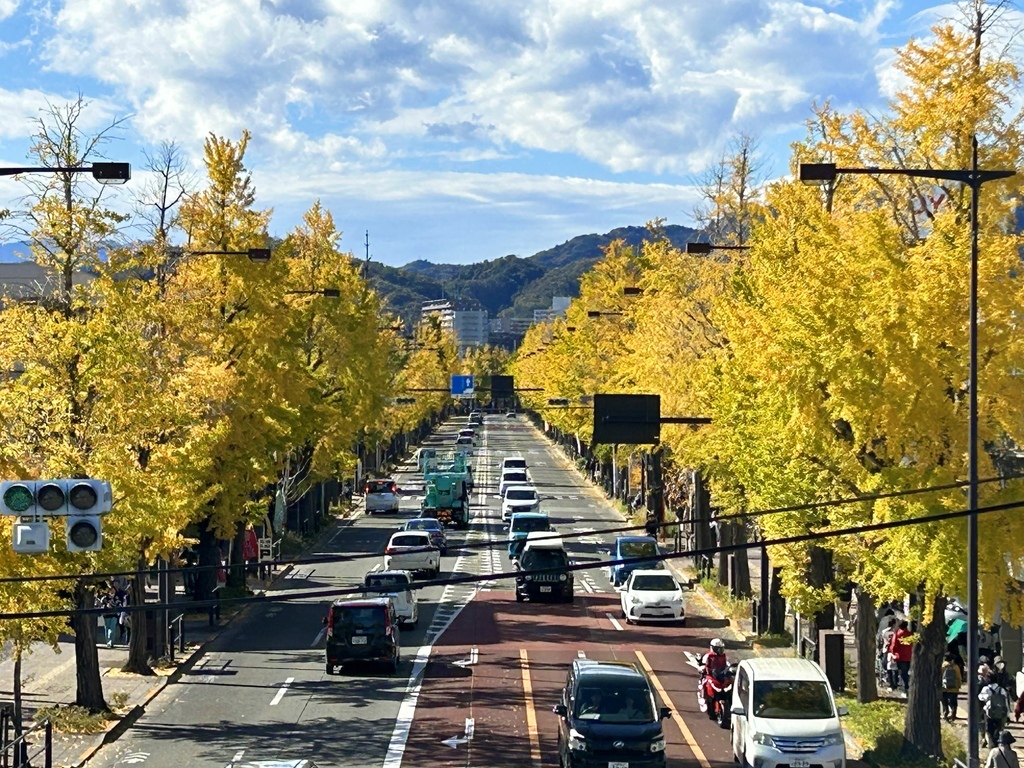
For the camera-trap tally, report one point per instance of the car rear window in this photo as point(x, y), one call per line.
point(361, 617)
point(423, 525)
point(380, 486)
point(521, 494)
point(514, 477)
point(527, 524)
point(464, 440)
point(392, 581)
point(411, 540)
point(654, 583)
point(515, 464)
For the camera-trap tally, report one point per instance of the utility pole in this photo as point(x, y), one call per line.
point(366, 263)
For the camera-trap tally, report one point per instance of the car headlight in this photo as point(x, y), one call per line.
point(562, 577)
point(763, 739)
point(576, 741)
point(833, 739)
point(529, 577)
point(658, 745)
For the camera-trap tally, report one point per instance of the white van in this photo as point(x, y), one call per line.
point(784, 714)
point(398, 586)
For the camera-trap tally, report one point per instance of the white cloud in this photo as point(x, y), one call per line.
point(19, 110)
point(7, 8)
point(634, 85)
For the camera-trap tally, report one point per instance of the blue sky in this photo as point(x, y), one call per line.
point(453, 130)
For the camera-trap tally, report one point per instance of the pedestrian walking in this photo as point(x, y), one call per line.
point(996, 707)
point(1002, 755)
point(108, 601)
point(887, 660)
point(844, 598)
point(124, 619)
point(902, 648)
point(951, 682)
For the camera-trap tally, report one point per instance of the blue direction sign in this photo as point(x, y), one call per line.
point(462, 385)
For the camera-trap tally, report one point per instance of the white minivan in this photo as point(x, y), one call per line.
point(784, 714)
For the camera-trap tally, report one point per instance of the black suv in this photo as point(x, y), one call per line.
point(362, 630)
point(609, 715)
point(544, 552)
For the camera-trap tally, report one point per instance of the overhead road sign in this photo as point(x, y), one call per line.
point(462, 385)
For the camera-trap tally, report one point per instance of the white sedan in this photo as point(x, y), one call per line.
point(651, 595)
point(412, 551)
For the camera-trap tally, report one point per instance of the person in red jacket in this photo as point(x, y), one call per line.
point(902, 648)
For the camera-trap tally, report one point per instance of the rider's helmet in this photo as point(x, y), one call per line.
point(718, 645)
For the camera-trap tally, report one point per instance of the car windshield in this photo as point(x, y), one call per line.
point(663, 583)
point(361, 617)
point(792, 700)
point(387, 582)
point(410, 541)
point(544, 558)
point(637, 548)
point(521, 494)
point(527, 524)
point(615, 705)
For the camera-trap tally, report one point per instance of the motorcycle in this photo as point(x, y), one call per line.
point(714, 694)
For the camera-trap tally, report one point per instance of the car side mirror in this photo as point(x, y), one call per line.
point(841, 711)
point(739, 712)
point(664, 713)
point(324, 621)
point(560, 710)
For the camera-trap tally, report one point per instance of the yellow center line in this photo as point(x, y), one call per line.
point(531, 713)
point(676, 717)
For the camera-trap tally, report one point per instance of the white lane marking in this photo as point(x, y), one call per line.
point(614, 621)
point(238, 756)
point(407, 711)
point(280, 694)
point(586, 586)
point(581, 655)
point(319, 636)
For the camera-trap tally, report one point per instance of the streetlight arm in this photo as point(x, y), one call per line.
point(823, 173)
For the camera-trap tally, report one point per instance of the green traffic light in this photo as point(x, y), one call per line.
point(18, 498)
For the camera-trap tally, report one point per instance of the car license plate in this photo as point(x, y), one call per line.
point(545, 589)
point(800, 763)
point(359, 640)
point(618, 765)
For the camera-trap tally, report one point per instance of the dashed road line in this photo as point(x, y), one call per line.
point(280, 694)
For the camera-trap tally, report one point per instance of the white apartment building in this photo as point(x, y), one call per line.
point(468, 321)
point(559, 304)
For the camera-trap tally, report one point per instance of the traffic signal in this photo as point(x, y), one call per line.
point(87, 500)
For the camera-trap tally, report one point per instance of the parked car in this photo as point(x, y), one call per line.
point(519, 498)
point(362, 630)
point(381, 496)
point(544, 551)
point(412, 551)
point(398, 586)
point(628, 548)
point(522, 524)
point(434, 527)
point(652, 595)
point(784, 714)
point(609, 715)
point(512, 477)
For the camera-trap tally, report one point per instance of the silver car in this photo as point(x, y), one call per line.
point(381, 496)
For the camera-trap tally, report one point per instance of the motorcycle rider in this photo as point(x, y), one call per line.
point(713, 664)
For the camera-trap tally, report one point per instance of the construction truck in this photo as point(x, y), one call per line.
point(446, 498)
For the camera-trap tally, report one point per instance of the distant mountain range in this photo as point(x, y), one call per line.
point(507, 287)
point(510, 286)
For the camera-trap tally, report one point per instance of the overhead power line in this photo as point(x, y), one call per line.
point(474, 578)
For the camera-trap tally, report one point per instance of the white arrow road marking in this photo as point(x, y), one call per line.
point(614, 621)
point(238, 756)
point(467, 736)
point(692, 660)
point(473, 655)
point(135, 757)
point(280, 694)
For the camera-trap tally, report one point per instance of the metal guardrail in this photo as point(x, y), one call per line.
point(20, 751)
point(176, 637)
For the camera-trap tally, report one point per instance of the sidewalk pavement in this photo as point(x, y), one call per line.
point(49, 678)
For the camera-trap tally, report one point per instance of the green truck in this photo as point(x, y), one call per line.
point(447, 498)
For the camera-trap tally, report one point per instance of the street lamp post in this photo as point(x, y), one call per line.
point(599, 313)
point(825, 173)
point(329, 293)
point(104, 173)
point(703, 249)
point(256, 255)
